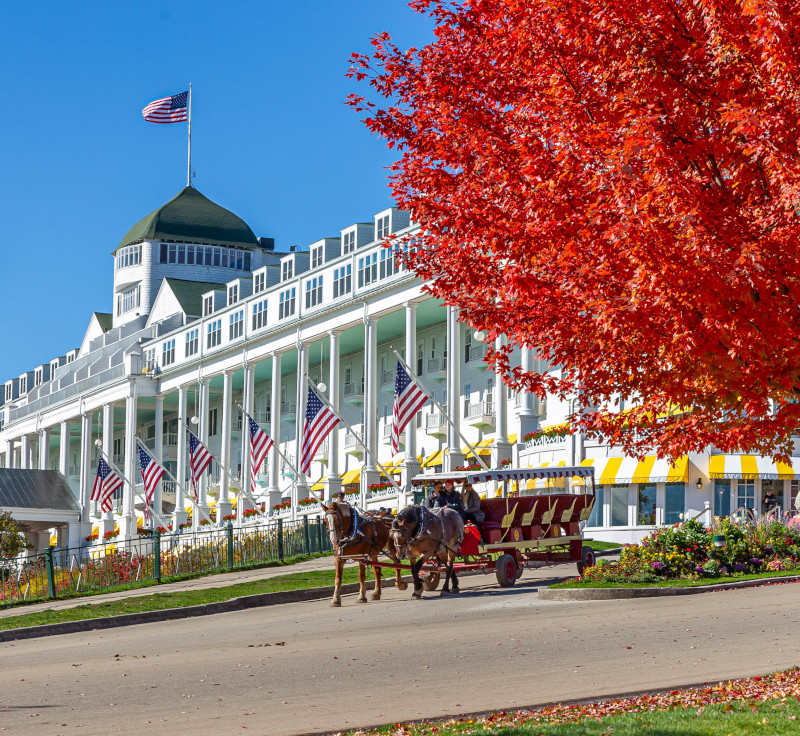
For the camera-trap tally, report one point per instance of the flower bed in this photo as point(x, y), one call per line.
point(110, 534)
point(282, 506)
point(469, 468)
point(687, 552)
point(552, 432)
point(307, 501)
point(381, 487)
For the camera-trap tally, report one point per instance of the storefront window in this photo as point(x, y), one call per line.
point(674, 502)
point(646, 511)
point(746, 494)
point(596, 517)
point(776, 486)
point(619, 505)
point(794, 492)
point(722, 498)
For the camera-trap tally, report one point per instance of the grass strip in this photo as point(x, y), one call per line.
point(757, 706)
point(179, 599)
point(688, 583)
point(602, 546)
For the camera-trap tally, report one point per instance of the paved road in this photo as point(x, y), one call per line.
point(305, 667)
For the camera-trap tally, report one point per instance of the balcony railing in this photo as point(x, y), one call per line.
point(436, 425)
point(354, 392)
point(437, 365)
point(387, 379)
point(288, 407)
point(481, 414)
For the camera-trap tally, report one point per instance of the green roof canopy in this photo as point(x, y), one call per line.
point(190, 217)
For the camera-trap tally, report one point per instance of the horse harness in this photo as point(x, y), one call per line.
point(356, 535)
point(422, 530)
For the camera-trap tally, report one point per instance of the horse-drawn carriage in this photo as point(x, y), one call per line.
point(536, 524)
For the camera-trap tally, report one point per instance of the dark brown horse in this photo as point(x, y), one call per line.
point(359, 536)
point(422, 534)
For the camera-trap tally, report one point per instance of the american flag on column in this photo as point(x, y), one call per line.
point(408, 400)
point(106, 483)
point(151, 475)
point(199, 459)
point(260, 444)
point(167, 109)
point(320, 420)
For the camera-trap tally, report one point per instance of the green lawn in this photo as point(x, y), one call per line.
point(693, 583)
point(161, 601)
point(602, 546)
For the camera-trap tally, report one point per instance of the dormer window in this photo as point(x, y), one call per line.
point(233, 294)
point(259, 282)
point(287, 270)
point(317, 255)
point(37, 379)
point(9, 392)
point(348, 242)
point(208, 305)
point(382, 227)
point(23, 385)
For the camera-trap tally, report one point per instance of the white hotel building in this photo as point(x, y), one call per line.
point(205, 315)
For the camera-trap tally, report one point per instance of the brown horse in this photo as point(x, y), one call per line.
point(358, 536)
point(421, 534)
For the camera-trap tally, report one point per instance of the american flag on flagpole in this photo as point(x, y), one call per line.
point(167, 109)
point(106, 482)
point(199, 459)
point(408, 400)
point(151, 475)
point(260, 444)
point(320, 420)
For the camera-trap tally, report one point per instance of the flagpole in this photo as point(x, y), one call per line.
point(132, 485)
point(230, 478)
point(275, 447)
point(174, 480)
point(439, 407)
point(355, 434)
point(189, 118)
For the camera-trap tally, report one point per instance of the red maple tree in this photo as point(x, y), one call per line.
point(613, 183)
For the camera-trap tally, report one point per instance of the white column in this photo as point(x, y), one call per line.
point(410, 464)
point(107, 519)
point(528, 418)
point(370, 474)
point(63, 450)
point(44, 449)
point(10, 454)
point(502, 447)
point(85, 469)
point(179, 516)
point(248, 399)
point(203, 408)
point(223, 502)
point(275, 432)
point(158, 449)
point(333, 483)
point(300, 487)
point(128, 525)
point(25, 452)
point(454, 455)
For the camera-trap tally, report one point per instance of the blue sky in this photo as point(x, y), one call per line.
point(271, 137)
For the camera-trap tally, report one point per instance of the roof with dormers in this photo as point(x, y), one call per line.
point(190, 217)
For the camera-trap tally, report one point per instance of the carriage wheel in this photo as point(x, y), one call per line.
point(506, 571)
point(430, 581)
point(588, 559)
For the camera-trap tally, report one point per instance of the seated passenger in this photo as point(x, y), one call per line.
point(449, 497)
point(472, 504)
point(432, 501)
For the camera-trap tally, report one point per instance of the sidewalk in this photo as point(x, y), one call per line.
point(220, 580)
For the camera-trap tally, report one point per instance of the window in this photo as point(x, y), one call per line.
point(236, 325)
point(382, 227)
point(467, 395)
point(348, 374)
point(387, 262)
point(420, 357)
point(313, 292)
point(287, 270)
point(646, 511)
point(367, 269)
point(37, 379)
point(190, 255)
point(208, 305)
point(129, 256)
point(214, 337)
point(9, 392)
point(722, 497)
point(192, 342)
point(674, 502)
point(260, 314)
point(286, 307)
point(317, 256)
point(619, 504)
point(342, 280)
point(23, 385)
point(233, 294)
point(348, 242)
point(168, 352)
point(433, 347)
point(259, 282)
point(212, 421)
point(128, 300)
point(794, 490)
point(467, 344)
point(596, 517)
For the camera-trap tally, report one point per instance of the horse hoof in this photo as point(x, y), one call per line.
point(416, 596)
point(362, 599)
point(402, 585)
point(374, 597)
point(455, 591)
point(445, 591)
point(336, 604)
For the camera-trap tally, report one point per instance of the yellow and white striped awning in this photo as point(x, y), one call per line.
point(621, 470)
point(750, 467)
point(433, 460)
point(351, 476)
point(318, 486)
point(484, 447)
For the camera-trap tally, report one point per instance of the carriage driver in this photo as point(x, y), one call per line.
point(450, 497)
